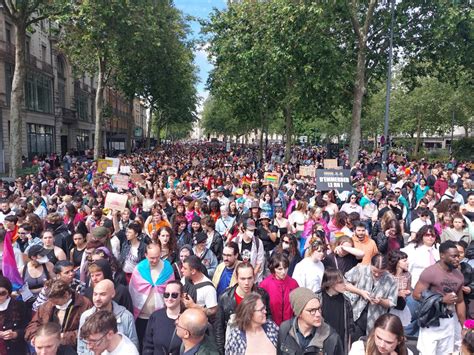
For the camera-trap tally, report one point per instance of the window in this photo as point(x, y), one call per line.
point(8, 81)
point(82, 106)
point(27, 49)
point(8, 33)
point(38, 93)
point(40, 139)
point(82, 140)
point(43, 53)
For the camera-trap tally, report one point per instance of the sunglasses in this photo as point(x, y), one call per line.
point(173, 295)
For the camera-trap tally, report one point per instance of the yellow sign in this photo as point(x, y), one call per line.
point(103, 164)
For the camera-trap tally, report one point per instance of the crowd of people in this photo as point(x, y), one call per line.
point(209, 257)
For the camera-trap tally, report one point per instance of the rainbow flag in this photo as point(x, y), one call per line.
point(246, 181)
point(9, 267)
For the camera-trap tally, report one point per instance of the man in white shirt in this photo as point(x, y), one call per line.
point(101, 336)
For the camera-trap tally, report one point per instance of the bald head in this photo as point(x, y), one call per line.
point(104, 292)
point(195, 320)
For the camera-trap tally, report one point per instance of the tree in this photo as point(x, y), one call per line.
point(23, 14)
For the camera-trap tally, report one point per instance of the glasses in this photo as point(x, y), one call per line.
point(174, 295)
point(313, 311)
point(3, 293)
point(262, 310)
point(94, 342)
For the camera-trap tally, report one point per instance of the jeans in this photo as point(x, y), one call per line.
point(413, 328)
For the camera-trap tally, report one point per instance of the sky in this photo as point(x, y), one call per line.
point(200, 9)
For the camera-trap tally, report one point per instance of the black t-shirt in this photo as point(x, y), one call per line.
point(344, 264)
point(246, 246)
point(334, 319)
point(268, 244)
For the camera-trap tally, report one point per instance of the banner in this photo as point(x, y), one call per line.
point(111, 170)
point(115, 162)
point(103, 164)
point(115, 201)
point(136, 178)
point(272, 178)
point(307, 170)
point(331, 164)
point(121, 181)
point(333, 179)
point(125, 169)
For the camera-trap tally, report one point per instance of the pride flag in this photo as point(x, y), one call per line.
point(9, 267)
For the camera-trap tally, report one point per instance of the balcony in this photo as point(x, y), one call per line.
point(69, 116)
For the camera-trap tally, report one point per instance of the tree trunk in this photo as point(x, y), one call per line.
point(130, 128)
point(148, 134)
point(288, 132)
point(99, 105)
point(466, 131)
point(262, 128)
point(360, 82)
point(418, 136)
point(359, 91)
point(17, 101)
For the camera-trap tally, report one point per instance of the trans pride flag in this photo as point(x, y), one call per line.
point(9, 267)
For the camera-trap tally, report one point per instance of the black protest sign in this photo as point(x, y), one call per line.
point(333, 179)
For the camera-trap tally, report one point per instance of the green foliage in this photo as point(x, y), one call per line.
point(463, 149)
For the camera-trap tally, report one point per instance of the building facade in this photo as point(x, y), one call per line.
point(59, 111)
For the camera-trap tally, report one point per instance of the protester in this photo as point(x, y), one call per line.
point(225, 275)
point(206, 255)
point(191, 327)
point(278, 286)
point(385, 339)
point(253, 332)
point(307, 332)
point(104, 293)
point(101, 335)
point(38, 270)
point(309, 271)
point(375, 292)
point(444, 281)
point(47, 341)
point(147, 286)
point(160, 337)
point(344, 256)
point(249, 242)
point(63, 307)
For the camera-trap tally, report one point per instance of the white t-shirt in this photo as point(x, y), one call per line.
point(358, 348)
point(309, 274)
point(416, 225)
point(125, 347)
point(206, 296)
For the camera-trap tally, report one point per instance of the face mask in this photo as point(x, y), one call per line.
point(64, 306)
point(4, 305)
point(285, 246)
point(43, 260)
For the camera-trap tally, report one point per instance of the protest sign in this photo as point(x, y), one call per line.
point(307, 170)
point(111, 170)
point(115, 162)
point(333, 179)
point(272, 178)
point(121, 181)
point(115, 201)
point(103, 164)
point(136, 178)
point(331, 164)
point(125, 169)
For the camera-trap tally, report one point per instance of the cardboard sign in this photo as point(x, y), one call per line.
point(331, 164)
point(121, 181)
point(103, 164)
point(307, 170)
point(272, 178)
point(115, 162)
point(115, 201)
point(333, 179)
point(125, 169)
point(111, 170)
point(135, 178)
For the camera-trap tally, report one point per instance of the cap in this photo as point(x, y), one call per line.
point(299, 298)
point(250, 224)
point(220, 189)
point(36, 250)
point(100, 232)
point(200, 238)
